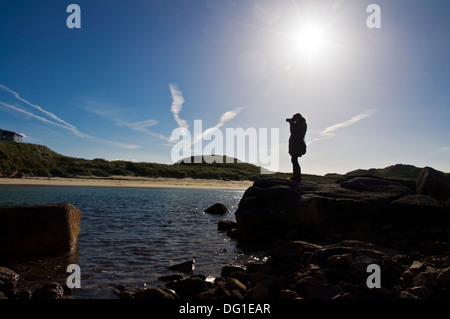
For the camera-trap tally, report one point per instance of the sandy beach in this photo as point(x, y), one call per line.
point(127, 181)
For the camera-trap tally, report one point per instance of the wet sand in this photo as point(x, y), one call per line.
point(127, 181)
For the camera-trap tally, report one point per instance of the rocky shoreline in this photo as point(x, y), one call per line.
point(328, 237)
point(361, 238)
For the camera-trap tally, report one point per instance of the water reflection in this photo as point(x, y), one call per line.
point(131, 236)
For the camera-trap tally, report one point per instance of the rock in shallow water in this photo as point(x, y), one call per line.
point(39, 230)
point(187, 267)
point(217, 209)
point(51, 290)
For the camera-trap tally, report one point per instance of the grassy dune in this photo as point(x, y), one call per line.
point(39, 160)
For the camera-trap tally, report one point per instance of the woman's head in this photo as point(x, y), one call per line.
point(297, 117)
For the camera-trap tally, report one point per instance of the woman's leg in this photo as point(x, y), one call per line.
point(296, 169)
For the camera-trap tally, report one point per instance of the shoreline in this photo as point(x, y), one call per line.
point(128, 181)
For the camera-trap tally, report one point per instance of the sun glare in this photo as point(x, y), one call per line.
point(310, 40)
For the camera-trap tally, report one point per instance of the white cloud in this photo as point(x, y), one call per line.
point(51, 115)
point(55, 120)
point(177, 105)
point(112, 112)
point(141, 126)
point(440, 150)
point(227, 116)
point(71, 128)
point(330, 131)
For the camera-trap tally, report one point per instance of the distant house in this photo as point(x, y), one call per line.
point(10, 136)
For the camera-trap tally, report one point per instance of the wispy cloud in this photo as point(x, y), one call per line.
point(37, 107)
point(118, 116)
point(440, 150)
point(50, 118)
point(331, 131)
point(177, 105)
point(227, 116)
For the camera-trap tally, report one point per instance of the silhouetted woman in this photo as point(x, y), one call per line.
point(297, 145)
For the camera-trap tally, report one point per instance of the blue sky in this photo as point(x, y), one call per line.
point(136, 70)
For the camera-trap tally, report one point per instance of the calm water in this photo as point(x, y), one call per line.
point(130, 235)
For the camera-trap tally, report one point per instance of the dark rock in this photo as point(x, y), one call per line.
point(230, 270)
point(209, 294)
point(416, 267)
point(297, 247)
point(170, 278)
point(39, 230)
point(340, 261)
point(402, 259)
point(220, 291)
point(7, 274)
point(125, 294)
point(51, 290)
point(377, 189)
point(236, 294)
point(443, 277)
point(433, 183)
point(320, 257)
point(408, 211)
point(217, 209)
point(287, 294)
point(311, 288)
point(9, 285)
point(23, 294)
point(234, 284)
point(407, 295)
point(353, 207)
point(259, 291)
point(226, 225)
point(155, 293)
point(415, 255)
point(263, 210)
point(427, 278)
point(344, 296)
point(188, 287)
point(187, 267)
point(436, 248)
point(420, 291)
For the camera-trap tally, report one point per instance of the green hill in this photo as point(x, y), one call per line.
point(398, 171)
point(38, 160)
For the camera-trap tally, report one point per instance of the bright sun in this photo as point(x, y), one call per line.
point(310, 40)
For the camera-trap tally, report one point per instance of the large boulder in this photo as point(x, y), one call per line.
point(418, 211)
point(266, 209)
point(275, 206)
point(433, 183)
point(39, 230)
